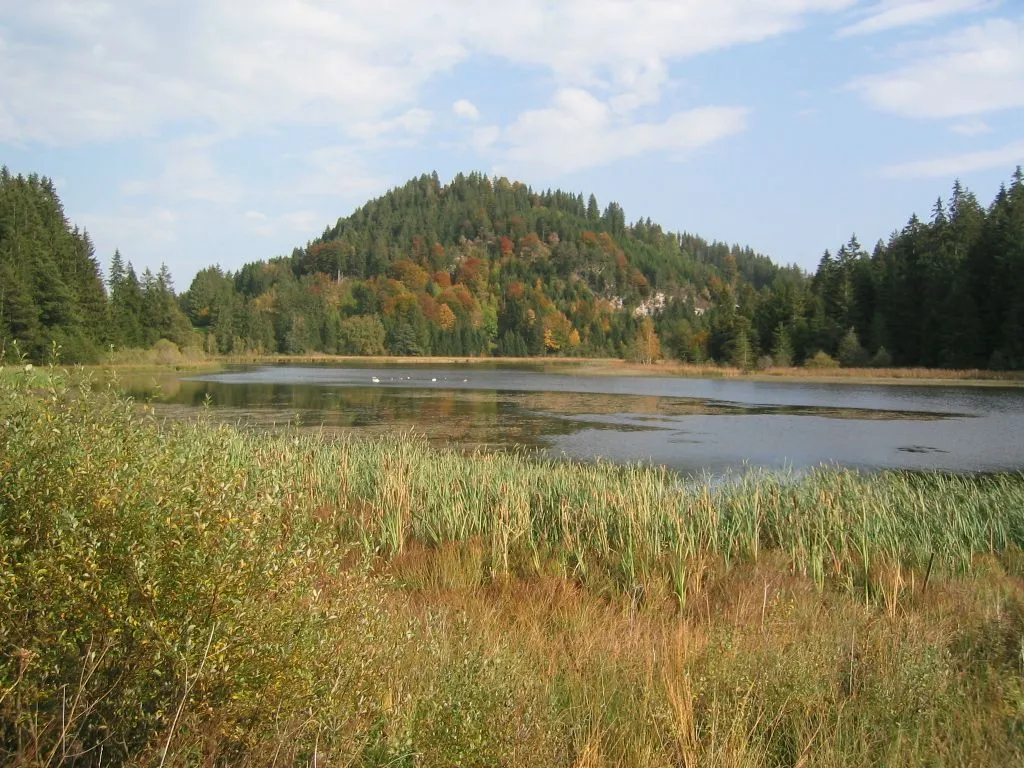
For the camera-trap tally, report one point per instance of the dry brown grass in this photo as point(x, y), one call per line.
point(888, 375)
point(761, 669)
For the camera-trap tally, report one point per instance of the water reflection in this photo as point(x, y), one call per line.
point(690, 425)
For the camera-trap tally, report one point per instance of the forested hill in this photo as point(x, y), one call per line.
point(489, 266)
point(479, 266)
point(485, 266)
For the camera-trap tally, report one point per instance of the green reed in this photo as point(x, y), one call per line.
point(629, 520)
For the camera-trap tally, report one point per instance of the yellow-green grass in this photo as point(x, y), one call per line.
point(186, 594)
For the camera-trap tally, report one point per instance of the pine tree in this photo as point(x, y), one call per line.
point(126, 306)
point(782, 347)
point(50, 289)
point(741, 353)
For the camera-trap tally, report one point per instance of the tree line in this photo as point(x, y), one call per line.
point(484, 266)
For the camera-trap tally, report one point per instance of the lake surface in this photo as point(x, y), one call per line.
point(689, 425)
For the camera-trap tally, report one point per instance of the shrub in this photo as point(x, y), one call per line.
point(166, 352)
point(149, 579)
point(851, 354)
point(881, 359)
point(821, 360)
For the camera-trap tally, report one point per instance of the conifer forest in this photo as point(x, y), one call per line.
point(489, 267)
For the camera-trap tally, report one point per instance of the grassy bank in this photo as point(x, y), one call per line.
point(185, 594)
point(617, 367)
point(165, 356)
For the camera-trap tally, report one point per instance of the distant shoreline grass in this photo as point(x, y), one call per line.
point(166, 356)
point(183, 593)
point(157, 360)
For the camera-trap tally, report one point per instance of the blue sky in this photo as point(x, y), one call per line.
point(202, 132)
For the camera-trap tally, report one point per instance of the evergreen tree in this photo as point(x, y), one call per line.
point(851, 354)
point(51, 293)
point(782, 347)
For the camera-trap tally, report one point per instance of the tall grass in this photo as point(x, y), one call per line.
point(635, 521)
point(176, 594)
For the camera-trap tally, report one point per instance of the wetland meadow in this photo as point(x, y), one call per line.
point(279, 565)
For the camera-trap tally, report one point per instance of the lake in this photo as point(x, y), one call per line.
point(689, 425)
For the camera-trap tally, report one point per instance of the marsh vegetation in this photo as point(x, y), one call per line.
point(192, 593)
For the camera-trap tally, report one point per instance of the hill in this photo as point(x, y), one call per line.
point(478, 266)
point(488, 266)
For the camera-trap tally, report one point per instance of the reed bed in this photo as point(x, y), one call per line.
point(185, 593)
point(637, 522)
point(1008, 378)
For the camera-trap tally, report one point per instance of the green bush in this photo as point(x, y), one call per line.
point(851, 354)
point(149, 578)
point(821, 360)
point(881, 359)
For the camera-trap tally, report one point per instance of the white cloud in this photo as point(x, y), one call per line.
point(973, 71)
point(585, 39)
point(217, 62)
point(971, 128)
point(466, 109)
point(641, 86)
point(895, 14)
point(954, 165)
point(71, 73)
point(580, 131)
point(624, 48)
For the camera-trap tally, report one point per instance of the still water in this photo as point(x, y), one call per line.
point(689, 425)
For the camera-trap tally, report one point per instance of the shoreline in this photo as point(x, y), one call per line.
point(610, 367)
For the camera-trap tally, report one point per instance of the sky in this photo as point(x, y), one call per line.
point(199, 132)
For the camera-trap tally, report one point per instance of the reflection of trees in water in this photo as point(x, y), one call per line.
point(146, 386)
point(469, 418)
point(599, 404)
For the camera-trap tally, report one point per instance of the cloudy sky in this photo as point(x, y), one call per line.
point(195, 132)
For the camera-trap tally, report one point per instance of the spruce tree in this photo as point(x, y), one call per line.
point(782, 347)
